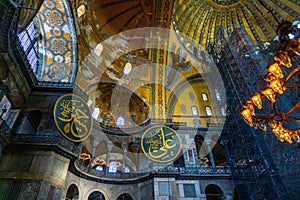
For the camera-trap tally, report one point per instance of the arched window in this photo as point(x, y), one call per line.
point(29, 45)
point(113, 166)
point(96, 113)
point(204, 97)
point(125, 196)
point(80, 10)
point(195, 111)
point(223, 111)
point(213, 192)
point(120, 121)
point(72, 192)
point(127, 68)
point(208, 111)
point(98, 49)
point(218, 96)
point(96, 196)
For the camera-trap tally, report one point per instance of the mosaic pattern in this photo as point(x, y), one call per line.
point(57, 48)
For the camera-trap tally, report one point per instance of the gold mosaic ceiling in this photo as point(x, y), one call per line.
point(200, 20)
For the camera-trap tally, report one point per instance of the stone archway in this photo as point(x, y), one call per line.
point(213, 192)
point(96, 196)
point(72, 193)
point(125, 196)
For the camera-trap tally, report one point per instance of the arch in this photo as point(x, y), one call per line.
point(241, 192)
point(96, 196)
point(72, 192)
point(208, 111)
point(178, 88)
point(213, 192)
point(202, 151)
point(125, 196)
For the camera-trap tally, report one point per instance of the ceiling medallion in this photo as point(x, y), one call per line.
point(72, 117)
point(161, 144)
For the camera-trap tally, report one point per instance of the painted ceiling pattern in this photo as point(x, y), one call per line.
point(57, 47)
point(200, 21)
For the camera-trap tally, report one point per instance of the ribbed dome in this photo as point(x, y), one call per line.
point(201, 20)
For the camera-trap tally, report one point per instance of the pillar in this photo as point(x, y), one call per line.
point(124, 159)
point(211, 156)
point(109, 148)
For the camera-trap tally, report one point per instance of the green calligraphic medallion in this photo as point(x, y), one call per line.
point(72, 117)
point(161, 144)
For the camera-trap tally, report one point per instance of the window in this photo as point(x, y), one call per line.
point(98, 49)
point(204, 97)
point(127, 170)
point(164, 188)
point(99, 168)
point(208, 111)
point(80, 10)
point(223, 111)
point(120, 121)
point(194, 111)
point(96, 113)
point(29, 45)
point(127, 68)
point(5, 106)
point(113, 167)
point(191, 157)
point(218, 95)
point(189, 190)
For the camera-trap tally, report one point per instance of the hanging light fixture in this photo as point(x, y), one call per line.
point(284, 124)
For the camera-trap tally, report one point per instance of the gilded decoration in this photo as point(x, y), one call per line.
point(161, 144)
point(57, 60)
point(72, 117)
point(202, 21)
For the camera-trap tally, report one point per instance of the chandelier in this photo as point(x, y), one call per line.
point(280, 74)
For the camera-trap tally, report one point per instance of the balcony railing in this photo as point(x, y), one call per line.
point(119, 176)
point(196, 170)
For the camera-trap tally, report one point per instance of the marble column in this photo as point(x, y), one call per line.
point(109, 148)
point(211, 156)
point(124, 159)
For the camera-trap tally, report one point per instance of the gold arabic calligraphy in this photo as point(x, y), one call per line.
point(161, 145)
point(74, 117)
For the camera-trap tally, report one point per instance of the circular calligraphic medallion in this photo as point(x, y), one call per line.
point(72, 117)
point(161, 144)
